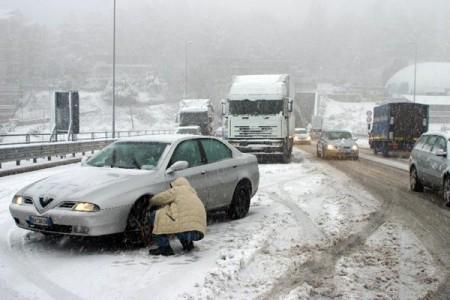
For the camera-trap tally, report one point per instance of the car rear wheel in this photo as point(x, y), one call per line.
point(414, 181)
point(241, 201)
point(134, 234)
point(446, 191)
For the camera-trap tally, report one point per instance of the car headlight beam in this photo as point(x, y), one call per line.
point(18, 200)
point(331, 147)
point(86, 207)
point(355, 148)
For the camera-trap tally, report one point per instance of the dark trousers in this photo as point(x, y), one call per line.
point(162, 240)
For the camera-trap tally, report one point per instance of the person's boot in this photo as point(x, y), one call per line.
point(165, 251)
point(188, 246)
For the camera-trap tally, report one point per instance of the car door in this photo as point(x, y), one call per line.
point(426, 160)
point(196, 174)
point(437, 163)
point(222, 172)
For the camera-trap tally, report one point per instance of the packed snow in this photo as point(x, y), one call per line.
point(301, 214)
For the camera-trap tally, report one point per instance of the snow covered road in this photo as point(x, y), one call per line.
point(312, 232)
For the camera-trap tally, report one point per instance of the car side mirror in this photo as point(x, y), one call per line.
point(355, 139)
point(177, 166)
point(441, 152)
point(84, 160)
point(290, 104)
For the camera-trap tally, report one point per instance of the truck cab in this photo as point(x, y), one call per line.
point(259, 115)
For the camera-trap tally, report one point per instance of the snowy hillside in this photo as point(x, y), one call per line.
point(345, 115)
point(145, 112)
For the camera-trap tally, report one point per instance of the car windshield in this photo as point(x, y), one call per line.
point(129, 155)
point(260, 107)
point(300, 131)
point(338, 135)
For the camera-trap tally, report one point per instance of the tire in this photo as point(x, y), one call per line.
point(317, 151)
point(133, 234)
point(324, 153)
point(356, 157)
point(414, 181)
point(446, 191)
point(385, 150)
point(240, 203)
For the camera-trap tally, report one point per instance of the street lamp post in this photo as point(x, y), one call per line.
point(186, 44)
point(114, 75)
point(415, 72)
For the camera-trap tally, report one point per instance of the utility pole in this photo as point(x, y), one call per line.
point(415, 72)
point(114, 75)
point(186, 44)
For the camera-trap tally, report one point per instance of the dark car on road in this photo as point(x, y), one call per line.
point(429, 164)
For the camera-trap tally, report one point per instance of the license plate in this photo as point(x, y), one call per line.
point(41, 221)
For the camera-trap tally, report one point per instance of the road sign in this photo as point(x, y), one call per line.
point(369, 119)
point(369, 113)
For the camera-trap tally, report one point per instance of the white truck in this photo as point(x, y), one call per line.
point(196, 112)
point(258, 115)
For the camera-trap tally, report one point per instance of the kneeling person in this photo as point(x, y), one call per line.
point(180, 212)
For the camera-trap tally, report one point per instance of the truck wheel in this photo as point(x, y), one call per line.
point(317, 151)
point(241, 201)
point(385, 150)
point(414, 181)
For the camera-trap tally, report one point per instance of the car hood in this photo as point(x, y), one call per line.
point(342, 142)
point(79, 183)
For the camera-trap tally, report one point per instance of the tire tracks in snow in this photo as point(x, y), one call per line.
point(319, 269)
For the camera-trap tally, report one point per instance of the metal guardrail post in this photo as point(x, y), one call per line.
point(92, 136)
point(27, 139)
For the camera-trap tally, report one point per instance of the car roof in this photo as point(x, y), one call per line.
point(445, 134)
point(162, 138)
point(337, 130)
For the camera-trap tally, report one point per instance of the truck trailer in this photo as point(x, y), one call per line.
point(397, 126)
point(259, 115)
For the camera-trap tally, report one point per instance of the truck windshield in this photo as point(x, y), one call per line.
point(193, 118)
point(259, 107)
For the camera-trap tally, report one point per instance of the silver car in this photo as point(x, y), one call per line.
point(337, 143)
point(108, 193)
point(429, 164)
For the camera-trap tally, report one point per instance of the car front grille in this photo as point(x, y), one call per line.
point(67, 204)
point(28, 200)
point(254, 131)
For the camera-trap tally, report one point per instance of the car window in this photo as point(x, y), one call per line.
point(337, 135)
point(429, 143)
point(441, 144)
point(188, 151)
point(215, 150)
point(420, 142)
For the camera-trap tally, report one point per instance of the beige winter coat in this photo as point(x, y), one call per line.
point(181, 209)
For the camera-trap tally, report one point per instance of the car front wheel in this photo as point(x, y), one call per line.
point(134, 234)
point(241, 201)
point(414, 181)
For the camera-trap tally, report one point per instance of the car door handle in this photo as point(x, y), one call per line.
point(203, 172)
point(235, 166)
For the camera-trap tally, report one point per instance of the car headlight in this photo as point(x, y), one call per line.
point(86, 207)
point(355, 148)
point(18, 200)
point(331, 147)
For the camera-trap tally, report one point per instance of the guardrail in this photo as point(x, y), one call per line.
point(33, 150)
point(33, 138)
